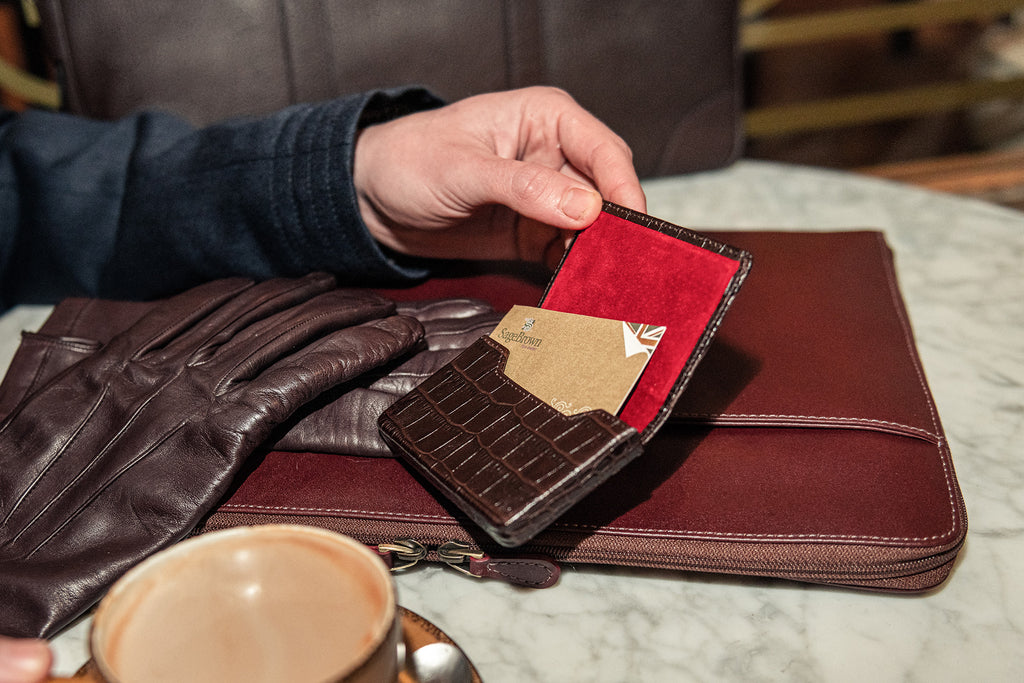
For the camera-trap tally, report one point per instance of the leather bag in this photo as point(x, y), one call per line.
point(807, 447)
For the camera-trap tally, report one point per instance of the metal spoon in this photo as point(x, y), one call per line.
point(439, 663)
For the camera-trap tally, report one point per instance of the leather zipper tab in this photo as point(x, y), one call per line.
point(531, 571)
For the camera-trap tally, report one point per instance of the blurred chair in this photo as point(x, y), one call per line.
point(664, 74)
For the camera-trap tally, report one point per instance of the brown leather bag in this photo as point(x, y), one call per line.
point(665, 75)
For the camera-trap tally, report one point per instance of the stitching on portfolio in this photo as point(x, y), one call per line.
point(890, 276)
point(853, 421)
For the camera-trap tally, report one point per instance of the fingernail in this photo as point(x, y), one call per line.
point(577, 202)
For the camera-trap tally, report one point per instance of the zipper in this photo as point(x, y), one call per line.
point(879, 567)
point(405, 545)
point(533, 571)
point(402, 553)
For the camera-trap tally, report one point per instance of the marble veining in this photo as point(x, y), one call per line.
point(960, 264)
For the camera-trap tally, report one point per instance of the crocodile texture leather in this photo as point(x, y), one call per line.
point(510, 461)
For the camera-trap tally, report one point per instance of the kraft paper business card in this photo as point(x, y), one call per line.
point(575, 362)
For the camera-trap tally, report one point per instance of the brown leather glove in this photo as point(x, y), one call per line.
point(122, 454)
point(343, 420)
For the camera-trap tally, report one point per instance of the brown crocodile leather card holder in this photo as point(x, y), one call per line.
point(507, 459)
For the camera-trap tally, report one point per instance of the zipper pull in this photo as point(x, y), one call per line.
point(530, 570)
point(402, 553)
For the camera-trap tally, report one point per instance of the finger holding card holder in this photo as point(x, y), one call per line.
point(511, 461)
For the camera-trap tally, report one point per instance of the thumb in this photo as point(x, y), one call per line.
point(542, 194)
point(24, 660)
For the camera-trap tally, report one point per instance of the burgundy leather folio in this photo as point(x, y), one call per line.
point(513, 463)
point(807, 447)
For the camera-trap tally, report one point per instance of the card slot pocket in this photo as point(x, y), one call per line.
point(509, 460)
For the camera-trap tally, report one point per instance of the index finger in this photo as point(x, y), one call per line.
point(604, 157)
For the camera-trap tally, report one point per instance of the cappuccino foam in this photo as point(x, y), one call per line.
point(284, 607)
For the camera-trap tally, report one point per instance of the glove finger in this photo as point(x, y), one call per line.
point(344, 420)
point(445, 335)
point(268, 340)
point(426, 310)
point(411, 374)
point(346, 426)
point(261, 301)
point(452, 323)
point(277, 392)
point(171, 317)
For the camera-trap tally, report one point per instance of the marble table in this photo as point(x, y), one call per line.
point(961, 267)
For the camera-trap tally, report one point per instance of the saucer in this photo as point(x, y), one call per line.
point(419, 632)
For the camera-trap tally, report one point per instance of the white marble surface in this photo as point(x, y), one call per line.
point(961, 266)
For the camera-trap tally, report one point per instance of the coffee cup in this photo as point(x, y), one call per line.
point(265, 603)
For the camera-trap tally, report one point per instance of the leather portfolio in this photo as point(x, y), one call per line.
point(807, 446)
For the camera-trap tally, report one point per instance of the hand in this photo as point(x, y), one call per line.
point(24, 660)
point(503, 175)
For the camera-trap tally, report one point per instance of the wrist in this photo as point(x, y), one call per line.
point(370, 147)
point(364, 162)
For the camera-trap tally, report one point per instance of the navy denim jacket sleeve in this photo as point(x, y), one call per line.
point(148, 205)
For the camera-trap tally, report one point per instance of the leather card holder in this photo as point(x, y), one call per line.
point(514, 464)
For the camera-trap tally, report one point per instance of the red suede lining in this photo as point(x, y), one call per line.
point(624, 271)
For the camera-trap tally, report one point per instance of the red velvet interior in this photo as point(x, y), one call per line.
point(620, 270)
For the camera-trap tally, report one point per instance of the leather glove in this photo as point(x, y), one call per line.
point(342, 420)
point(123, 453)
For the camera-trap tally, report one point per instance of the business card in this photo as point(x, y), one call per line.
point(575, 362)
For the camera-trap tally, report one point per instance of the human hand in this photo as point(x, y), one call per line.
point(505, 175)
point(24, 660)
